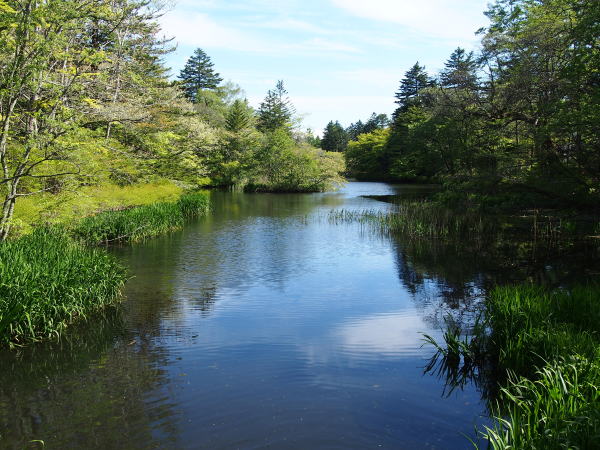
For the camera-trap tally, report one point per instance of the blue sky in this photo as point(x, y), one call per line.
point(340, 59)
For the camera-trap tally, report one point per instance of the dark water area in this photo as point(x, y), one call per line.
point(264, 325)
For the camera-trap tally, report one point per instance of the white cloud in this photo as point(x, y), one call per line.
point(198, 30)
point(445, 19)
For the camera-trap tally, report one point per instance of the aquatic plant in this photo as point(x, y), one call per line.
point(139, 223)
point(544, 346)
point(48, 281)
point(422, 219)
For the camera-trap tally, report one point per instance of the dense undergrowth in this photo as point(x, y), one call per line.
point(48, 280)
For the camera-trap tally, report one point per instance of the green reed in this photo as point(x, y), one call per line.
point(139, 223)
point(422, 219)
point(48, 281)
point(545, 349)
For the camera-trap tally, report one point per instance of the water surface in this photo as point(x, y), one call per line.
point(264, 325)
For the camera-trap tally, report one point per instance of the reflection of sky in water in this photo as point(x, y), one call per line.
point(393, 334)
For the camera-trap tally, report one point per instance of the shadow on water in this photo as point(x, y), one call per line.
point(101, 386)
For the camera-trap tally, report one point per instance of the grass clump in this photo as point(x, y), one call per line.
point(541, 350)
point(137, 224)
point(48, 281)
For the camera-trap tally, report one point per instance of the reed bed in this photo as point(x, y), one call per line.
point(545, 349)
point(421, 219)
point(48, 281)
point(143, 222)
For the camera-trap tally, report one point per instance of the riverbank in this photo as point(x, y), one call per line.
point(53, 277)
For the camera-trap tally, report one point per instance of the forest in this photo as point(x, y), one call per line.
point(86, 106)
point(513, 124)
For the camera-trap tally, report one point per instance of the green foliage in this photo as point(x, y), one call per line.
point(543, 347)
point(276, 111)
point(365, 158)
point(142, 222)
point(283, 166)
point(48, 281)
point(521, 115)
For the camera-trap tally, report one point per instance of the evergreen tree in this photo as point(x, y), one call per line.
point(197, 74)
point(459, 71)
point(376, 122)
point(411, 85)
point(335, 138)
point(238, 117)
point(276, 111)
point(355, 130)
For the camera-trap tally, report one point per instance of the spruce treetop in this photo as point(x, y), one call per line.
point(197, 74)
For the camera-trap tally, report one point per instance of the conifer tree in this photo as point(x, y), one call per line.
point(413, 82)
point(197, 74)
point(276, 111)
point(460, 70)
point(335, 138)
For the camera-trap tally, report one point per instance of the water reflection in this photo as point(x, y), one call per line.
point(265, 325)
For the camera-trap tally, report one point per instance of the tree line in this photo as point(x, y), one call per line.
point(86, 99)
point(518, 119)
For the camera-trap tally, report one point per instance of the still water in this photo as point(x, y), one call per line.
point(264, 325)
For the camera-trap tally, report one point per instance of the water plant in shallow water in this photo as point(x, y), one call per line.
point(540, 352)
point(137, 224)
point(48, 281)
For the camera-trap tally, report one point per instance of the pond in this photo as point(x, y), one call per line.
point(262, 325)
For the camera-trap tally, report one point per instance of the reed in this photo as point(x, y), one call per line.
point(142, 222)
point(544, 346)
point(49, 281)
point(422, 219)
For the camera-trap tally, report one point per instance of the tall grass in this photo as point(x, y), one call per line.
point(545, 349)
point(70, 206)
point(137, 224)
point(422, 219)
point(47, 281)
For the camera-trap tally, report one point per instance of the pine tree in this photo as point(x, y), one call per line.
point(411, 85)
point(335, 138)
point(238, 117)
point(276, 111)
point(459, 70)
point(197, 74)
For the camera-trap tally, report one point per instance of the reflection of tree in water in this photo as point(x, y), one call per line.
point(451, 277)
point(101, 387)
point(449, 280)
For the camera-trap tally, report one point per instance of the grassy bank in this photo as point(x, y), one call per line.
point(542, 350)
point(550, 344)
point(137, 224)
point(47, 281)
point(50, 278)
point(69, 206)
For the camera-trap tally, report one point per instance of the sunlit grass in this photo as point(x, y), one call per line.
point(64, 208)
point(48, 281)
